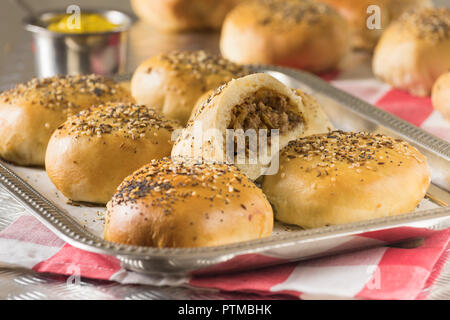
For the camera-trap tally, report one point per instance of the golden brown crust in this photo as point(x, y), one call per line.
point(183, 15)
point(173, 82)
point(92, 152)
point(415, 50)
point(293, 33)
point(164, 204)
point(30, 112)
point(346, 177)
point(441, 95)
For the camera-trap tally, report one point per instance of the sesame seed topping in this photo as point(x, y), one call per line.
point(430, 24)
point(130, 120)
point(168, 182)
point(292, 12)
point(201, 63)
point(60, 92)
point(351, 150)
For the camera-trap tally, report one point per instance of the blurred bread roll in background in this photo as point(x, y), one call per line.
point(166, 204)
point(183, 15)
point(30, 112)
point(415, 50)
point(298, 33)
point(441, 95)
point(342, 177)
point(92, 152)
point(172, 83)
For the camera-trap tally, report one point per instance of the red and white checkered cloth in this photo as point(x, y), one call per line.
point(379, 273)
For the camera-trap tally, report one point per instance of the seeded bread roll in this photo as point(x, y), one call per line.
point(415, 50)
point(92, 152)
point(254, 102)
point(344, 177)
point(165, 204)
point(183, 15)
point(441, 95)
point(30, 112)
point(298, 33)
point(173, 82)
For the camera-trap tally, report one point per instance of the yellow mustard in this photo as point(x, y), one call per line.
point(87, 23)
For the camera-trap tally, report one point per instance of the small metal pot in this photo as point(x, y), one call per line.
point(58, 53)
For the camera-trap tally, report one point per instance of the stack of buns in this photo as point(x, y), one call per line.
point(103, 144)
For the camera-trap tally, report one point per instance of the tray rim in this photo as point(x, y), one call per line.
point(75, 234)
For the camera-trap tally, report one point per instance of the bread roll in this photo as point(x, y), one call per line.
point(254, 102)
point(183, 15)
point(441, 95)
point(30, 112)
point(92, 152)
point(173, 82)
point(297, 33)
point(344, 177)
point(164, 204)
point(415, 50)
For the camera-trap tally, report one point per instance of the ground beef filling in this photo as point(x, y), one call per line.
point(266, 109)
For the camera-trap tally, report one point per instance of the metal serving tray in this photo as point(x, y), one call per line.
point(82, 227)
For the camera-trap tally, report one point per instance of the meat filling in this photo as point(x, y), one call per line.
point(266, 109)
